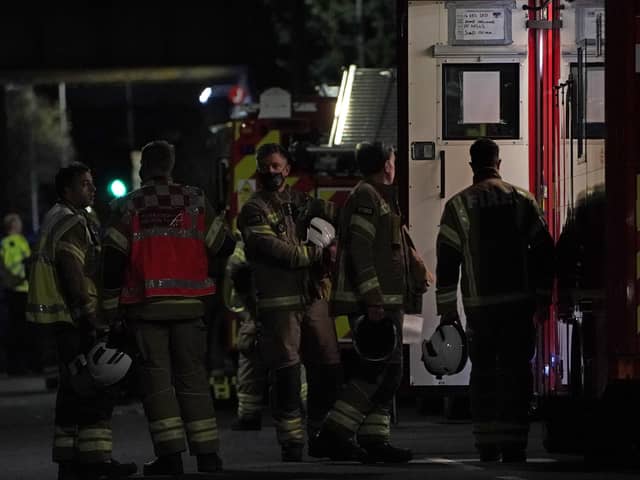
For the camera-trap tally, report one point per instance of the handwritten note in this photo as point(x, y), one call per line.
point(480, 24)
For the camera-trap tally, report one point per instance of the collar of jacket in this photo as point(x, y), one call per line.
point(158, 181)
point(277, 197)
point(388, 192)
point(485, 174)
point(76, 210)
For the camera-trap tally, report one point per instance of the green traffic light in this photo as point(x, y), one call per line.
point(117, 188)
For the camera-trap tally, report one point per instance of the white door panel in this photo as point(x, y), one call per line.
point(427, 27)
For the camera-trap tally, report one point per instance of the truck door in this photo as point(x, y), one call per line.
point(467, 78)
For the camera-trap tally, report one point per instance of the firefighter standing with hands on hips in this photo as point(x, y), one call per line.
point(496, 235)
point(379, 274)
point(291, 293)
point(63, 294)
point(155, 275)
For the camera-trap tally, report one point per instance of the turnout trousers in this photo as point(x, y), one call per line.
point(175, 390)
point(363, 408)
point(82, 426)
point(501, 345)
point(286, 339)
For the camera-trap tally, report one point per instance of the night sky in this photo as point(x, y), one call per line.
point(272, 42)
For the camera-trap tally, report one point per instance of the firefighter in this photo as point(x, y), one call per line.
point(155, 277)
point(252, 372)
point(496, 235)
point(62, 293)
point(291, 298)
point(372, 280)
point(252, 376)
point(14, 254)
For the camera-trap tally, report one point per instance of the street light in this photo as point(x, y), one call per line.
point(204, 95)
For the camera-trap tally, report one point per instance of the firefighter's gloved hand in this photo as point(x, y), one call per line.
point(320, 233)
point(375, 313)
point(450, 319)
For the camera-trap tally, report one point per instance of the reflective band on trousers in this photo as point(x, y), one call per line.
point(375, 425)
point(249, 405)
point(46, 308)
point(201, 425)
point(65, 437)
point(165, 424)
point(346, 416)
point(290, 430)
point(166, 429)
point(167, 232)
point(94, 434)
point(94, 446)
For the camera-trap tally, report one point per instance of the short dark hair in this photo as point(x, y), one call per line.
point(484, 152)
point(371, 157)
point(158, 157)
point(267, 149)
point(66, 176)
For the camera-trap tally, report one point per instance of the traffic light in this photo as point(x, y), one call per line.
point(117, 188)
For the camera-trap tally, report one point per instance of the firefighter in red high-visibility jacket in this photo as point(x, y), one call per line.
point(155, 275)
point(495, 234)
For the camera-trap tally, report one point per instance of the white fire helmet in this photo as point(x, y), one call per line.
point(445, 353)
point(101, 367)
point(320, 232)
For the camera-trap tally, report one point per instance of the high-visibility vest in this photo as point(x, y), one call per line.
point(14, 250)
point(168, 256)
point(45, 303)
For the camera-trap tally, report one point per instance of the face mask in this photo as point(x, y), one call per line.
point(271, 181)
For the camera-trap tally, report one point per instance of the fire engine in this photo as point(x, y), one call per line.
point(543, 78)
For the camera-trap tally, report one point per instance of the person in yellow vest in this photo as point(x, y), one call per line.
point(156, 276)
point(63, 294)
point(14, 254)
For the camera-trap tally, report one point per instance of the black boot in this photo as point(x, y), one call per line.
point(112, 470)
point(247, 424)
point(514, 455)
point(384, 452)
point(489, 453)
point(69, 471)
point(336, 447)
point(165, 465)
point(292, 452)
point(209, 463)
